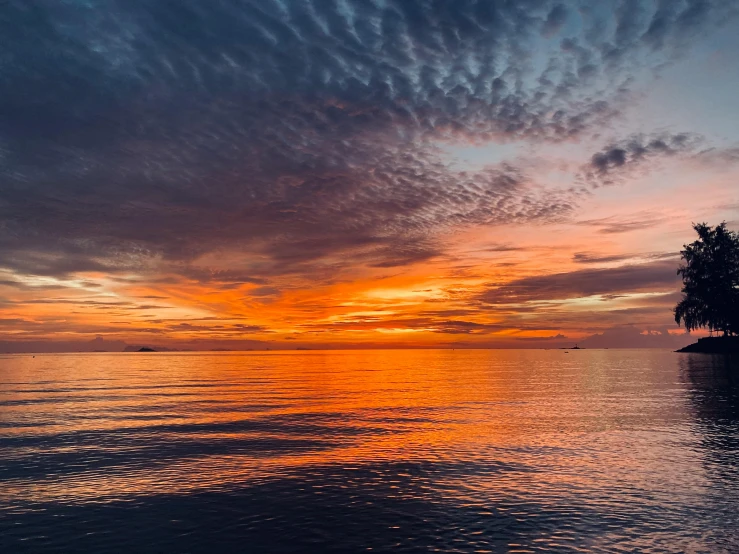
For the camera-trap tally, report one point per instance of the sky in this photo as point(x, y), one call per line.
point(359, 173)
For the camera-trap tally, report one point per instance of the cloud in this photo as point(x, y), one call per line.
point(631, 337)
point(214, 329)
point(593, 258)
point(261, 292)
point(549, 339)
point(554, 21)
point(97, 344)
point(654, 276)
point(590, 258)
point(614, 225)
point(620, 159)
point(456, 327)
point(143, 137)
point(718, 157)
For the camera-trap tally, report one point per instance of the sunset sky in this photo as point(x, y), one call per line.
point(359, 173)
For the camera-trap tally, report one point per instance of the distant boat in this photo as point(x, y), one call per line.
point(576, 347)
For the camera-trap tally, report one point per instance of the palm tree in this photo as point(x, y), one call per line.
point(710, 281)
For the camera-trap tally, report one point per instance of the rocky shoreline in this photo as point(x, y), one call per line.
point(714, 345)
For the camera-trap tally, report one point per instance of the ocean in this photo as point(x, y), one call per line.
point(370, 451)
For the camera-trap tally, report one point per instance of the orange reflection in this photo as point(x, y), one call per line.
point(98, 427)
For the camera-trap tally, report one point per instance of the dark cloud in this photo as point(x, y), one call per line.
point(222, 277)
point(619, 224)
point(215, 330)
point(456, 327)
point(12, 322)
point(79, 302)
point(420, 322)
point(620, 159)
point(24, 286)
point(554, 21)
point(138, 135)
point(502, 248)
point(557, 337)
point(96, 344)
point(654, 276)
point(718, 157)
point(592, 258)
point(662, 21)
point(261, 292)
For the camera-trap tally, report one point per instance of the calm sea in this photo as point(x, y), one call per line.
point(402, 451)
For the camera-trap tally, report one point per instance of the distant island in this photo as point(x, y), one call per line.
point(143, 348)
point(711, 289)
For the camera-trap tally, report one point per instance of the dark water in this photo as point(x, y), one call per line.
point(403, 451)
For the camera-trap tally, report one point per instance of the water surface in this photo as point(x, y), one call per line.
point(402, 451)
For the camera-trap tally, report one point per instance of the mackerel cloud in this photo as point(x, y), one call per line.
point(298, 134)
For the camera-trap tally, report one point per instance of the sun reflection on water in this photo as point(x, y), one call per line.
point(600, 448)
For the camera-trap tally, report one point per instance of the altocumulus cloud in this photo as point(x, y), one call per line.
point(619, 159)
point(139, 135)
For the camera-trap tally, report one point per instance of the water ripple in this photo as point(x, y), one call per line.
point(418, 451)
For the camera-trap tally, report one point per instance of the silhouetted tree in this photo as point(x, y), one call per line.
point(710, 281)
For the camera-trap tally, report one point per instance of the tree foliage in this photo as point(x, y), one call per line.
point(710, 281)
